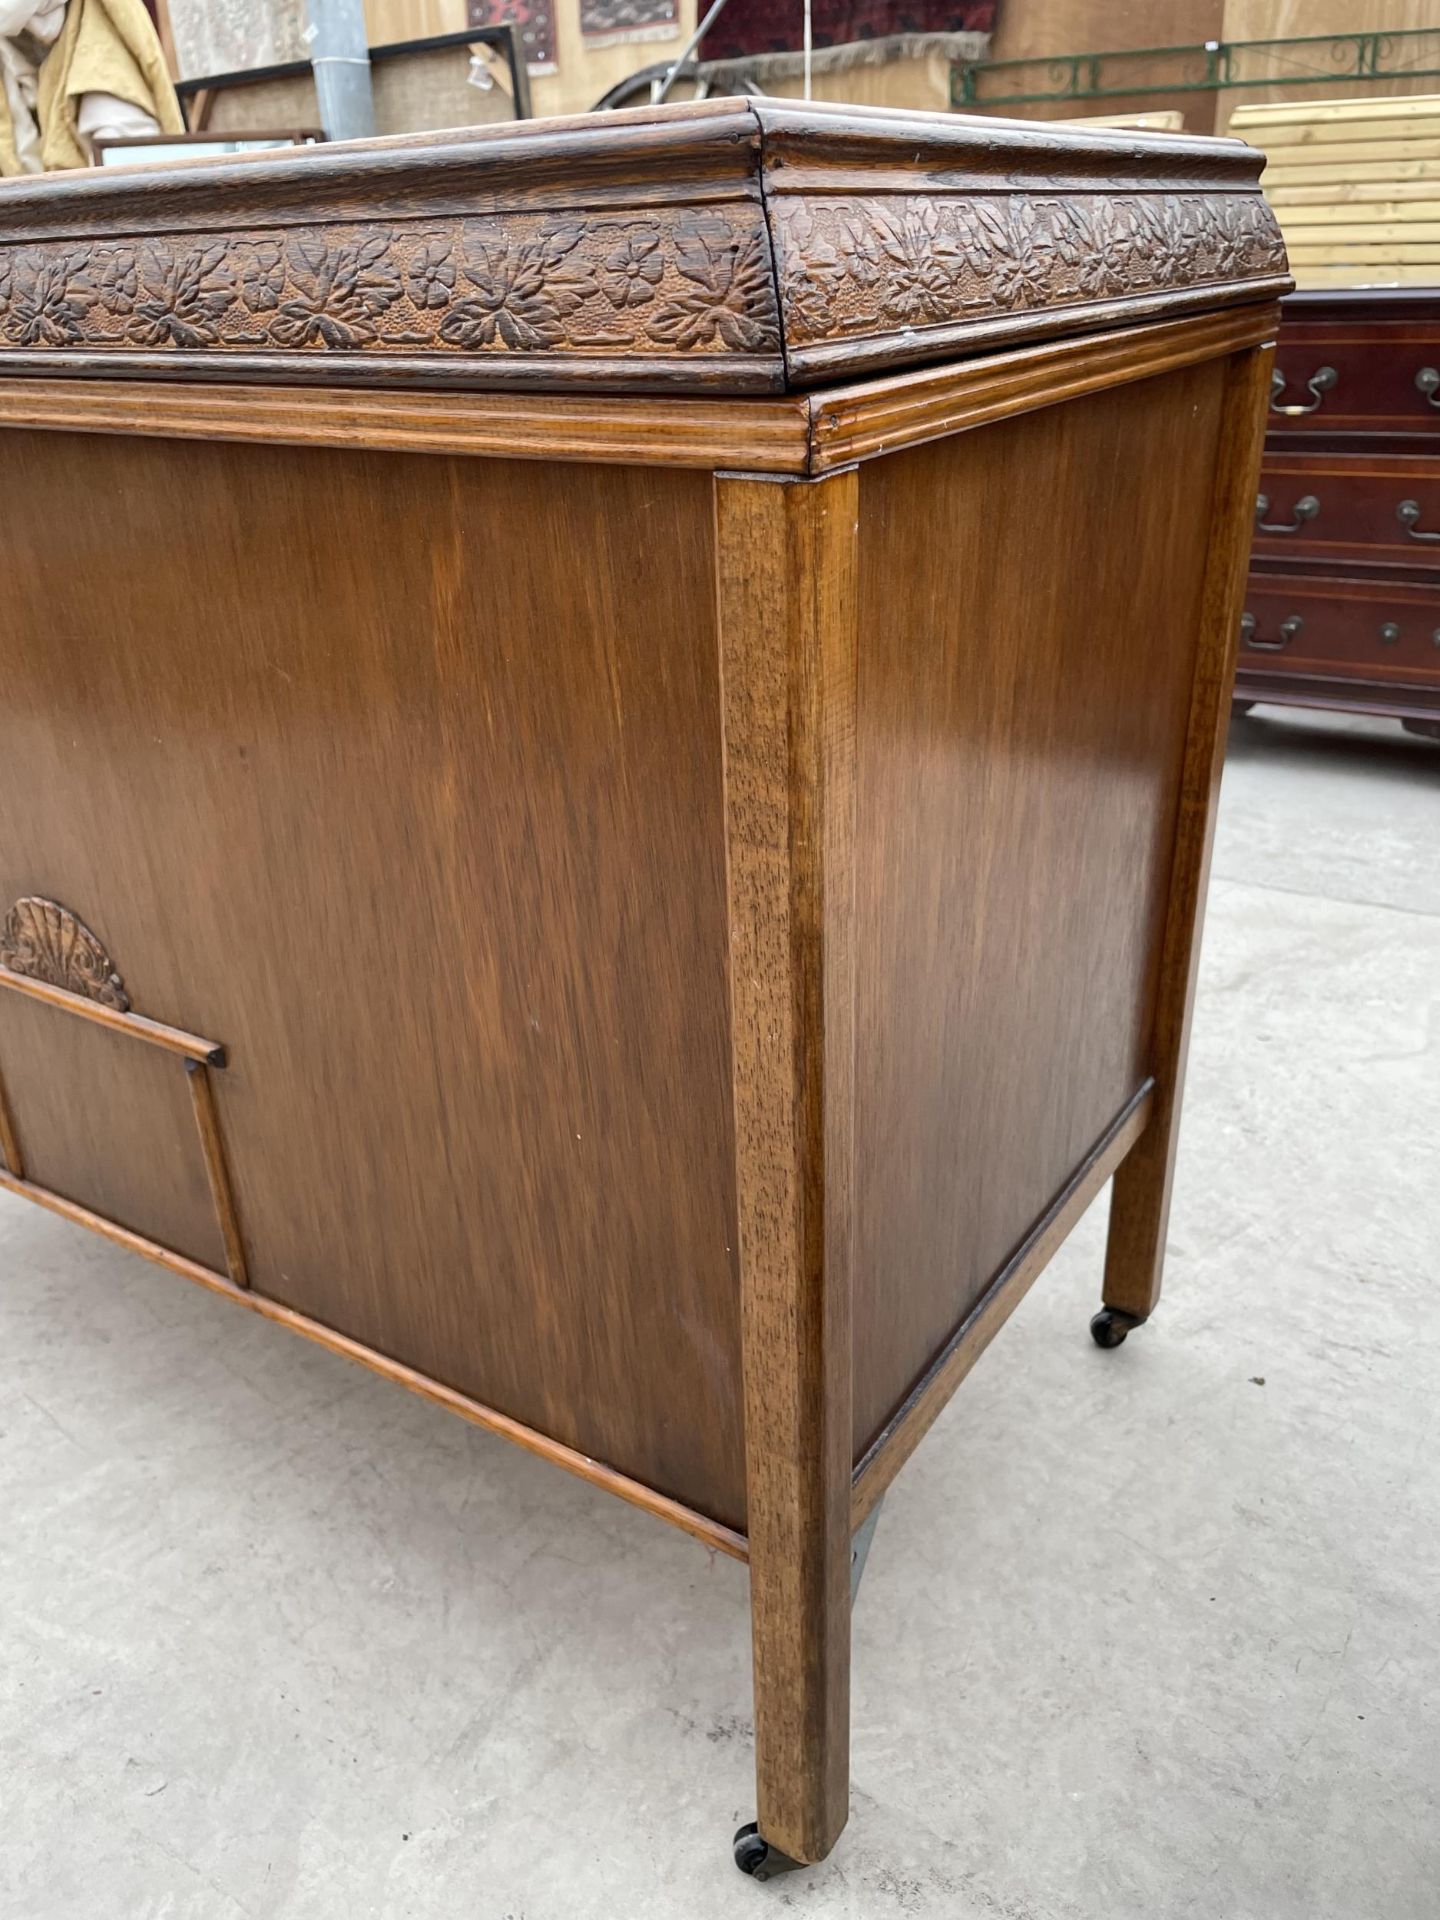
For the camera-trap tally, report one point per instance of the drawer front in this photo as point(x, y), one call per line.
point(1356, 379)
point(1352, 628)
point(1381, 509)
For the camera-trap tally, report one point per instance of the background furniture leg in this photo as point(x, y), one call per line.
point(1140, 1202)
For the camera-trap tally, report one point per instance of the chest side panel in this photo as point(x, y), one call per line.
point(399, 776)
point(1029, 603)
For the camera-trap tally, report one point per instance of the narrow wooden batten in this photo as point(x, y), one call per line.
point(709, 1532)
point(889, 1451)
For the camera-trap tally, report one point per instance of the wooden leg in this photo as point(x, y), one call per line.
point(786, 568)
point(1140, 1206)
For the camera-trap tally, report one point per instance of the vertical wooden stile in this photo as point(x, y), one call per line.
point(786, 559)
point(207, 1120)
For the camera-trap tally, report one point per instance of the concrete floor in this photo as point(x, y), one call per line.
point(1151, 1633)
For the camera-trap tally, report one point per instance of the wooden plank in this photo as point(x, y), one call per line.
point(786, 566)
point(1284, 113)
point(1394, 276)
point(1341, 174)
point(1373, 153)
point(173, 1039)
point(709, 1532)
point(904, 1433)
point(1357, 253)
point(1318, 131)
point(1140, 1208)
point(1385, 220)
point(1378, 194)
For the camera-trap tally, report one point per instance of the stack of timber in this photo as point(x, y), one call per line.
point(1355, 185)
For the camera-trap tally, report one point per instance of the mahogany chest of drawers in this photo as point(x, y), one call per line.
point(1343, 604)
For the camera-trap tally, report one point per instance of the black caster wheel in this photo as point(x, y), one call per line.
point(1110, 1326)
point(755, 1856)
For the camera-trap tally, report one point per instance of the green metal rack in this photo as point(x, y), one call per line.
point(1343, 59)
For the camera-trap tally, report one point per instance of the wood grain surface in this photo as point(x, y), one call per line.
point(866, 419)
point(786, 560)
point(1140, 1201)
point(893, 1446)
point(760, 435)
point(1021, 728)
point(108, 1123)
point(402, 777)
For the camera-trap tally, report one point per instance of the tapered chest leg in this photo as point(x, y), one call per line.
point(1140, 1204)
point(786, 568)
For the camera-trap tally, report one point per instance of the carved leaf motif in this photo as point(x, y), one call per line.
point(523, 292)
point(44, 941)
point(1097, 245)
point(1008, 246)
point(47, 308)
point(922, 260)
point(335, 293)
point(182, 295)
point(731, 294)
point(813, 270)
point(1168, 241)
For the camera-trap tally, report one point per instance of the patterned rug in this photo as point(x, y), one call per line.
point(760, 37)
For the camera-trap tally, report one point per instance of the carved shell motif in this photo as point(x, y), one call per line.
point(44, 941)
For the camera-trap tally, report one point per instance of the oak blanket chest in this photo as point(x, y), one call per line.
point(570, 830)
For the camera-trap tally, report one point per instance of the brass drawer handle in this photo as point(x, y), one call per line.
point(1305, 508)
point(1287, 632)
point(1428, 381)
point(1407, 513)
point(1321, 382)
point(1389, 633)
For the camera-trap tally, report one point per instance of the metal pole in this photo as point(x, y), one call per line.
point(340, 55)
point(690, 46)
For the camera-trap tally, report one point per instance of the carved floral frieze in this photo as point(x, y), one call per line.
point(656, 282)
point(926, 260)
point(692, 282)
